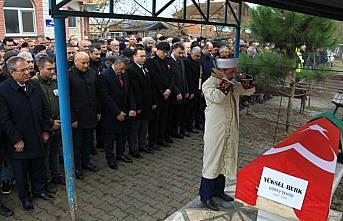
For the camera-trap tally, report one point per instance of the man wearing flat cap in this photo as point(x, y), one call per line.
point(163, 86)
point(221, 137)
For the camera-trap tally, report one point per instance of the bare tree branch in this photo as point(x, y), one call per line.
point(103, 24)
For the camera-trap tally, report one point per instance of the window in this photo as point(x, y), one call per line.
point(19, 17)
point(71, 20)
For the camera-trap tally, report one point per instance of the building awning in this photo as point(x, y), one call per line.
point(323, 8)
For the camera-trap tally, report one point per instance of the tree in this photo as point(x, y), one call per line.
point(288, 31)
point(102, 25)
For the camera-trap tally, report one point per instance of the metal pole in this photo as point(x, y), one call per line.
point(184, 13)
point(238, 31)
point(154, 8)
point(208, 10)
point(111, 6)
point(63, 87)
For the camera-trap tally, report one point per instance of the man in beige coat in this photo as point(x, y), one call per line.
point(221, 92)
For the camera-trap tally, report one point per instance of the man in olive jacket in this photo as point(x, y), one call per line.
point(45, 75)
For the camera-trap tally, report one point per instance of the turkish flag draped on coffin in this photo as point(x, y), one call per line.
point(310, 153)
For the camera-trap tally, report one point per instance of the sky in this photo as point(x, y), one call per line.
point(126, 5)
point(171, 9)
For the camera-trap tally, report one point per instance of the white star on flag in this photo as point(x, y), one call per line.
point(318, 128)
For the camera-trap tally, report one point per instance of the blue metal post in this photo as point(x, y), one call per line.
point(111, 6)
point(63, 87)
point(238, 31)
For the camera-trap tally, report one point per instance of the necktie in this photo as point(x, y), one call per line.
point(143, 70)
point(120, 79)
point(23, 87)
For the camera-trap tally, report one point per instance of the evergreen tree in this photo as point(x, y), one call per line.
point(288, 31)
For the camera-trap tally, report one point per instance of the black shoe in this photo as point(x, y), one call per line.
point(91, 167)
point(200, 127)
point(112, 164)
point(79, 175)
point(94, 151)
point(27, 205)
point(6, 212)
point(51, 187)
point(193, 131)
point(155, 147)
point(209, 204)
point(59, 180)
point(226, 197)
point(168, 140)
point(150, 150)
point(44, 196)
point(6, 187)
point(135, 154)
point(146, 150)
point(163, 144)
point(176, 135)
point(125, 158)
point(185, 134)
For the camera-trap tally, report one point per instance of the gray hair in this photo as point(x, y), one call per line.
point(12, 63)
point(39, 57)
point(196, 49)
point(222, 48)
point(122, 60)
point(25, 55)
point(146, 40)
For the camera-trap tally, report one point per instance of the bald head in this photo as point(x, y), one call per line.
point(81, 61)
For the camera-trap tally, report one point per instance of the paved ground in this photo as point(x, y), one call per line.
point(156, 186)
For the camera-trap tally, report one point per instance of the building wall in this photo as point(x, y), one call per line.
point(39, 18)
point(2, 20)
point(42, 14)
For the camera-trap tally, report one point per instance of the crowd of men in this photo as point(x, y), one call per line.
point(137, 93)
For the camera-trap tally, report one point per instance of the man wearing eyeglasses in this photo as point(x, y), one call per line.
point(29, 59)
point(192, 67)
point(24, 119)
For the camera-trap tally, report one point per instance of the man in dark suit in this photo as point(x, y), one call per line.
point(159, 69)
point(207, 63)
point(24, 119)
point(94, 63)
point(84, 111)
point(181, 94)
point(118, 107)
point(192, 66)
point(140, 83)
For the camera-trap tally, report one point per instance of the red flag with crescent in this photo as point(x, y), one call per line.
point(310, 154)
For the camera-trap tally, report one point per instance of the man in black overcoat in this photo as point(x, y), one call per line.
point(85, 111)
point(163, 86)
point(192, 67)
point(24, 119)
